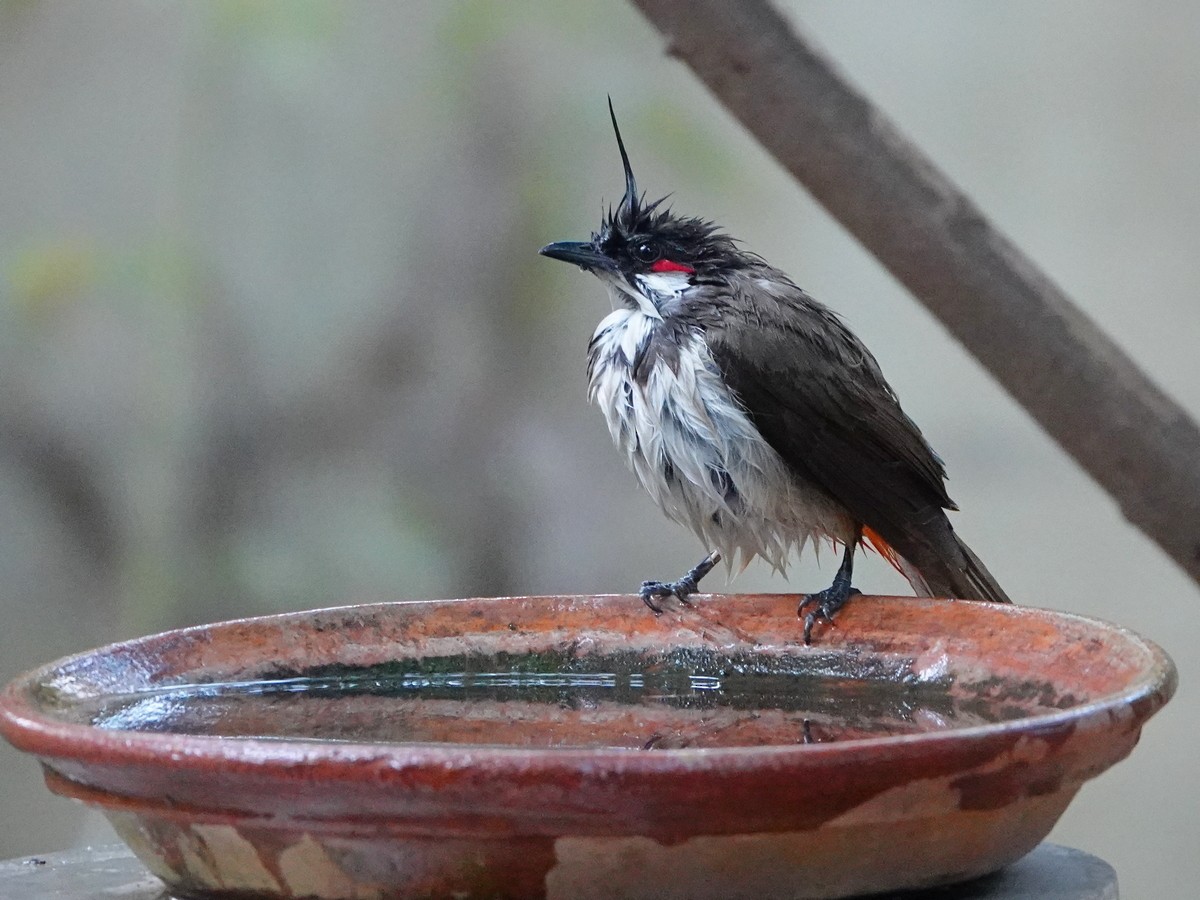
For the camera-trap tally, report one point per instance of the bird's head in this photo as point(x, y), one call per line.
point(645, 250)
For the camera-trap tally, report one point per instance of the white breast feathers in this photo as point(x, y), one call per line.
point(693, 447)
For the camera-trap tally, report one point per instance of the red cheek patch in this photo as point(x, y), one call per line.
point(665, 265)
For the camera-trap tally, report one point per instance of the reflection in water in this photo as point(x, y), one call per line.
point(557, 700)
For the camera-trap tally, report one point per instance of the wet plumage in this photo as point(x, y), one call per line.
point(751, 413)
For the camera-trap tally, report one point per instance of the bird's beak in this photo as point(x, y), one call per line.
point(584, 255)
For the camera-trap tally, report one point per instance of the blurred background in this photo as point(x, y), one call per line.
point(274, 333)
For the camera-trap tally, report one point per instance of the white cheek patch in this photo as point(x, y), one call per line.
point(664, 286)
point(618, 288)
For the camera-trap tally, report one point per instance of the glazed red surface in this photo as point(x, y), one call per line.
point(1108, 680)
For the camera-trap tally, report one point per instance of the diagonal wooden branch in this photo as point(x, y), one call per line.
point(1076, 383)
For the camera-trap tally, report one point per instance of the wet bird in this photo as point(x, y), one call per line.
point(753, 415)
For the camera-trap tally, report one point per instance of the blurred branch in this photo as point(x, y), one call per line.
point(1076, 383)
point(67, 476)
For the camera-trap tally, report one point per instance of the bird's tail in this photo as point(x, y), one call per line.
point(959, 573)
point(974, 581)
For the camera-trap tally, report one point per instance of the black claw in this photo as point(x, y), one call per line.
point(681, 589)
point(652, 589)
point(834, 597)
point(827, 602)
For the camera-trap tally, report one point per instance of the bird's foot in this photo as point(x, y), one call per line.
point(681, 589)
point(825, 604)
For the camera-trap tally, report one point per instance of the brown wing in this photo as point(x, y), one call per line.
point(818, 397)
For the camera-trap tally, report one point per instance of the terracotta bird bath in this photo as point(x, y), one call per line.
point(578, 747)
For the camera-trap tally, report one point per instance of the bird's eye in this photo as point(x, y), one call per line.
point(646, 253)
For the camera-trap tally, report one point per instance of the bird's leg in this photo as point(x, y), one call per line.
point(683, 588)
point(834, 597)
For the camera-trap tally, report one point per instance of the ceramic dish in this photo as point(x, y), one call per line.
point(577, 746)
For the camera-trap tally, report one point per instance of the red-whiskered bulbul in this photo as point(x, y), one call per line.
point(753, 416)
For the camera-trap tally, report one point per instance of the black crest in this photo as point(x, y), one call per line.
point(683, 239)
point(628, 212)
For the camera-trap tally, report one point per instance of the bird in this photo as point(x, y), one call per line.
point(753, 415)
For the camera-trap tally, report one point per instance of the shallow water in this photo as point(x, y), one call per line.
point(541, 700)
